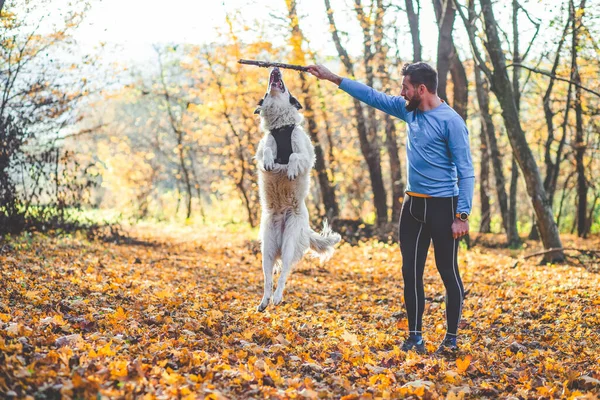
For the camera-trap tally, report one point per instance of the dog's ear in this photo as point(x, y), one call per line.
point(260, 103)
point(295, 102)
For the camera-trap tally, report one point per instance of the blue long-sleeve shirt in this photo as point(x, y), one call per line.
point(437, 146)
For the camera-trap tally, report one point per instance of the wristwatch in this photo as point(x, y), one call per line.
point(463, 216)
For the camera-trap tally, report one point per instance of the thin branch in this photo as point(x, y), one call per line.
point(469, 26)
point(82, 132)
point(537, 30)
point(546, 73)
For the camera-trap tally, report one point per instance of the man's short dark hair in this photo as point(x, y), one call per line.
point(421, 73)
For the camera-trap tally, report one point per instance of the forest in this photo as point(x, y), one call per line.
point(130, 264)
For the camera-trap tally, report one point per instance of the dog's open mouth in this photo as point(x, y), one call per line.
point(276, 81)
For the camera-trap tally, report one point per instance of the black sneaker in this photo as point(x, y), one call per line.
point(447, 347)
point(413, 344)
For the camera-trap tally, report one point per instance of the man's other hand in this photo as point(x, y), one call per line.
point(459, 228)
point(321, 72)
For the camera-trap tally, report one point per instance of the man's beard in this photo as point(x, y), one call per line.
point(413, 103)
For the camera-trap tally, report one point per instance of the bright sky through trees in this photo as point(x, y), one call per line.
point(129, 28)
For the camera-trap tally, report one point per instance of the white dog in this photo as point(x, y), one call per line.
point(285, 157)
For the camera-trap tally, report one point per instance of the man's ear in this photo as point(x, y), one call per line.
point(295, 103)
point(260, 103)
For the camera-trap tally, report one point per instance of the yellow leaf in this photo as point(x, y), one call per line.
point(350, 338)
point(118, 369)
point(120, 314)
point(106, 350)
point(452, 376)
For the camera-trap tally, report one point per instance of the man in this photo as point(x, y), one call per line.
point(439, 191)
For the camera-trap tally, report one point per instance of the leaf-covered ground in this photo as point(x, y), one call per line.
point(177, 319)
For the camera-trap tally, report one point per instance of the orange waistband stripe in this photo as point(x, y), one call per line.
point(413, 194)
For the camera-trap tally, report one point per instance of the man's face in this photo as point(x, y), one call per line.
point(411, 94)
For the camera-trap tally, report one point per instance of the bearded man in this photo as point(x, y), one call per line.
point(439, 193)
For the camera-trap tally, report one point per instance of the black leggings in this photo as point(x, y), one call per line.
point(421, 221)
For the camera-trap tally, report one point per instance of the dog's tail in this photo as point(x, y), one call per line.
point(323, 243)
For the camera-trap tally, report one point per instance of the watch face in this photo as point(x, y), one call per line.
point(464, 216)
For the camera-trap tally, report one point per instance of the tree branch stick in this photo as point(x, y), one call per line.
point(266, 64)
point(558, 78)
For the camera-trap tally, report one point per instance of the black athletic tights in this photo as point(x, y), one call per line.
point(424, 220)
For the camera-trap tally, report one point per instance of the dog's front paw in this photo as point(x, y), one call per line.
point(268, 160)
point(293, 167)
point(269, 164)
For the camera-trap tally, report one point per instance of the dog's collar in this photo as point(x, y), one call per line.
point(283, 138)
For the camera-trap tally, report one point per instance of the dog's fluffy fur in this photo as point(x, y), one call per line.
point(284, 228)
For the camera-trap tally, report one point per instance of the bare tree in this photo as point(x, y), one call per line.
point(448, 60)
point(503, 89)
point(484, 182)
point(580, 146)
point(482, 89)
point(413, 22)
point(327, 190)
point(246, 179)
point(368, 143)
point(175, 124)
point(391, 140)
point(514, 240)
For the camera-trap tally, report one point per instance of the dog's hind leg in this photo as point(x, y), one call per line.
point(269, 252)
point(293, 248)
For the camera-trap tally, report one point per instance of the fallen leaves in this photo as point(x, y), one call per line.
point(87, 319)
point(463, 363)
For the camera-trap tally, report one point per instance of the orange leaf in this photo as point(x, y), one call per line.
point(463, 364)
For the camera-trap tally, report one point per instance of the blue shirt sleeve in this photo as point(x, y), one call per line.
point(460, 153)
point(393, 105)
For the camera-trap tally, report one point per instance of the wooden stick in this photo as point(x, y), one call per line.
point(266, 64)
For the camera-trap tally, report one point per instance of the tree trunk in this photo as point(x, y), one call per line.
point(552, 166)
point(514, 240)
point(501, 86)
point(372, 126)
point(484, 184)
point(245, 173)
point(447, 58)
point(445, 14)
point(391, 140)
point(413, 22)
point(328, 130)
point(460, 85)
point(181, 147)
point(370, 153)
point(488, 125)
point(328, 195)
point(580, 146)
point(327, 191)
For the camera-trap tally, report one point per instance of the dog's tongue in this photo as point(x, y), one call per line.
point(276, 81)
